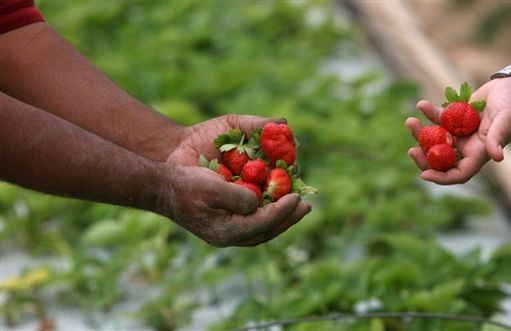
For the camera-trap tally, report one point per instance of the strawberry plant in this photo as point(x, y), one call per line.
point(369, 244)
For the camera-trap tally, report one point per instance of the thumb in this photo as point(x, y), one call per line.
point(249, 123)
point(499, 134)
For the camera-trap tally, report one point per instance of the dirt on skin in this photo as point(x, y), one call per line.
point(454, 25)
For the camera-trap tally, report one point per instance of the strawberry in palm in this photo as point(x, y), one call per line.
point(235, 153)
point(441, 157)
point(278, 184)
point(235, 159)
point(434, 135)
point(254, 171)
point(278, 143)
point(460, 117)
point(216, 167)
point(252, 187)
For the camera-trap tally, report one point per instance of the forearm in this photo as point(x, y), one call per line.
point(42, 69)
point(45, 153)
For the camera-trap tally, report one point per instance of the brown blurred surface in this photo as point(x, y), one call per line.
point(455, 26)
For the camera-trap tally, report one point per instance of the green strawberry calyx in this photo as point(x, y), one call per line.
point(297, 184)
point(464, 96)
point(205, 163)
point(236, 139)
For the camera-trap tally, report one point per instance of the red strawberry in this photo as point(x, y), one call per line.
point(235, 153)
point(252, 187)
point(216, 167)
point(434, 135)
point(278, 183)
point(441, 157)
point(254, 172)
point(278, 143)
point(235, 160)
point(224, 171)
point(460, 119)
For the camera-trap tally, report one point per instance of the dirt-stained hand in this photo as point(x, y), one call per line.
point(221, 213)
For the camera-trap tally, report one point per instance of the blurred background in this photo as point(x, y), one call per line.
point(346, 75)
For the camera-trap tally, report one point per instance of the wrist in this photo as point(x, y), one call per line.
point(149, 186)
point(160, 196)
point(162, 141)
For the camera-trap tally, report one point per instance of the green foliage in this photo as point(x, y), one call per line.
point(371, 232)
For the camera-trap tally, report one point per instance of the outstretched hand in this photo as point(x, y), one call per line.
point(219, 212)
point(494, 132)
point(471, 147)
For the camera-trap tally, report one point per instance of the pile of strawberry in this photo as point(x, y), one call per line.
point(265, 164)
point(459, 119)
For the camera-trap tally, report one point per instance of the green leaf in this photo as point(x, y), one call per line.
point(255, 140)
point(377, 325)
point(104, 233)
point(501, 260)
point(281, 164)
point(234, 136)
point(203, 161)
point(478, 105)
point(250, 152)
point(293, 170)
point(252, 143)
point(213, 165)
point(308, 190)
point(451, 95)
point(440, 298)
point(298, 186)
point(227, 147)
point(267, 199)
point(465, 92)
point(260, 155)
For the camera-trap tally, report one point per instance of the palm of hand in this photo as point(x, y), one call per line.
point(473, 157)
point(471, 148)
point(494, 132)
point(198, 140)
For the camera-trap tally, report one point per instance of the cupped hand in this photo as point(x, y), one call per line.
point(471, 148)
point(494, 132)
point(219, 212)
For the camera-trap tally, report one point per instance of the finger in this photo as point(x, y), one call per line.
point(482, 92)
point(302, 209)
point(231, 197)
point(418, 156)
point(265, 219)
point(249, 123)
point(462, 173)
point(415, 127)
point(184, 157)
point(430, 111)
point(499, 134)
